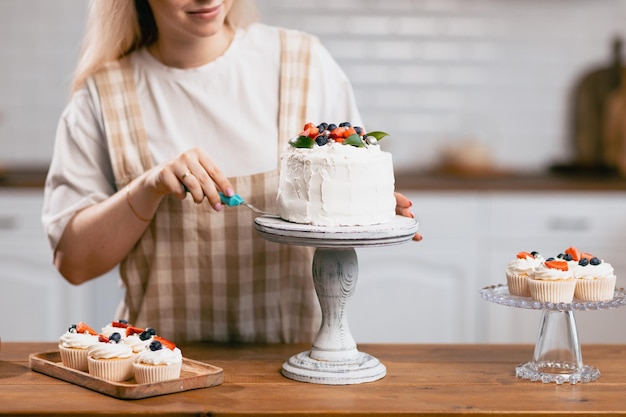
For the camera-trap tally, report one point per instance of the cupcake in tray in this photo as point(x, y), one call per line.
point(111, 359)
point(139, 341)
point(159, 361)
point(74, 345)
point(595, 280)
point(519, 269)
point(553, 282)
point(119, 326)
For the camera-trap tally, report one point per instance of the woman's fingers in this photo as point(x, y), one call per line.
point(403, 208)
point(403, 205)
point(201, 177)
point(192, 184)
point(216, 178)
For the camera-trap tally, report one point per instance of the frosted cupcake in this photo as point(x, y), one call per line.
point(573, 255)
point(139, 341)
point(595, 280)
point(74, 345)
point(552, 282)
point(160, 361)
point(115, 327)
point(112, 361)
point(518, 271)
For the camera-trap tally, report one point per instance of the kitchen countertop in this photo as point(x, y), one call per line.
point(23, 176)
point(34, 177)
point(549, 182)
point(421, 380)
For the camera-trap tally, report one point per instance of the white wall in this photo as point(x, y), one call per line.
point(39, 43)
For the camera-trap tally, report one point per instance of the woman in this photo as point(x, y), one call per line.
point(173, 101)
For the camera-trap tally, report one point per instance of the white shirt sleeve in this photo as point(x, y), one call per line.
point(80, 173)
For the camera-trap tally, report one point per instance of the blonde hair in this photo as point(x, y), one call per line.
point(115, 28)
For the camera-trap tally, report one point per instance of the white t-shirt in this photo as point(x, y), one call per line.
point(228, 107)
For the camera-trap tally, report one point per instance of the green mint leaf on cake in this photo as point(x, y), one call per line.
point(378, 134)
point(302, 142)
point(354, 140)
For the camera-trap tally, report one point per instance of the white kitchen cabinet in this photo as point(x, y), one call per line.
point(429, 291)
point(422, 291)
point(36, 303)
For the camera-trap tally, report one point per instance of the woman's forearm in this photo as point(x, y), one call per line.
point(99, 237)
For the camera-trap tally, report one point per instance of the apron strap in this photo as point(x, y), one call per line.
point(123, 124)
point(295, 68)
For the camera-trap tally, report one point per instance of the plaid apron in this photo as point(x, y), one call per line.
point(197, 274)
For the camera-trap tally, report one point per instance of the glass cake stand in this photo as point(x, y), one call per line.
point(557, 357)
point(334, 358)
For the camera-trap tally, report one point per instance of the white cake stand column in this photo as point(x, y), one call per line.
point(334, 358)
point(335, 275)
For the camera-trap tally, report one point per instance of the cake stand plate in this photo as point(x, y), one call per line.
point(275, 229)
point(334, 358)
point(557, 357)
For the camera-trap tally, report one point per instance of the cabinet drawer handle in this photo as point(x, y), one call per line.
point(568, 223)
point(8, 222)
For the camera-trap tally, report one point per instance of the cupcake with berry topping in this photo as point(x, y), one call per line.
point(518, 271)
point(115, 327)
point(139, 341)
point(572, 256)
point(111, 359)
point(160, 361)
point(74, 345)
point(552, 282)
point(595, 280)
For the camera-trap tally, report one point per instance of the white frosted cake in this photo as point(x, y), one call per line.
point(336, 178)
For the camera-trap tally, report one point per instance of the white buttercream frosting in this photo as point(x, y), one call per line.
point(136, 344)
point(543, 273)
point(109, 329)
point(77, 340)
point(602, 271)
point(162, 356)
point(524, 266)
point(336, 185)
point(110, 351)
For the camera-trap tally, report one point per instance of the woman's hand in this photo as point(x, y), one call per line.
point(403, 208)
point(100, 236)
point(192, 171)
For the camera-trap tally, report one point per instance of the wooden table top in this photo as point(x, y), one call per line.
point(421, 380)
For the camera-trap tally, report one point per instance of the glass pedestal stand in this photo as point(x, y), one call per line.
point(557, 357)
point(334, 358)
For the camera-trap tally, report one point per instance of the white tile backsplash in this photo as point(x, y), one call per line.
point(438, 71)
point(39, 43)
point(428, 71)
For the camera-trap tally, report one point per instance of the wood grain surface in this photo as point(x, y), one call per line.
point(421, 380)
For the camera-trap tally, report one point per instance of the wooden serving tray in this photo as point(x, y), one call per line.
point(193, 375)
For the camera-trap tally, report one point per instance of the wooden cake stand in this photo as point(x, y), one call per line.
point(334, 358)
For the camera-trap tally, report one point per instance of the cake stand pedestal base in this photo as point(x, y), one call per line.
point(555, 372)
point(363, 368)
point(334, 358)
point(557, 356)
